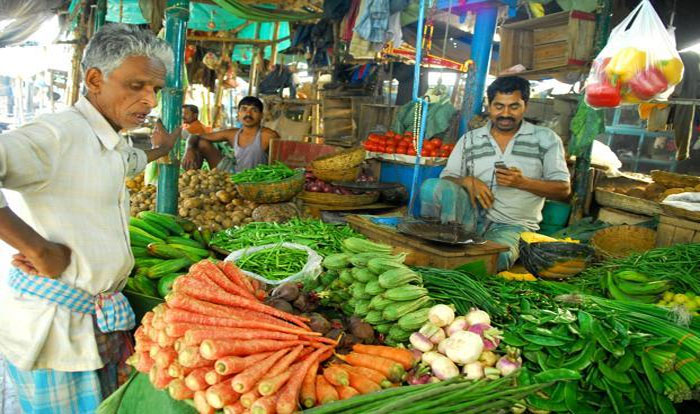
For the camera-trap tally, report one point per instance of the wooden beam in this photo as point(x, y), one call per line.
point(275, 37)
point(240, 28)
point(231, 40)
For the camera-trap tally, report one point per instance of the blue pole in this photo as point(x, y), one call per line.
point(419, 49)
point(482, 42)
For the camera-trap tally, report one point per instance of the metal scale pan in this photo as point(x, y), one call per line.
point(449, 233)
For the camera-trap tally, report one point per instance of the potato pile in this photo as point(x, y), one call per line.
point(654, 191)
point(208, 198)
point(135, 184)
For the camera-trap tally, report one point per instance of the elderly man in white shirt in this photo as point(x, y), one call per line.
point(63, 318)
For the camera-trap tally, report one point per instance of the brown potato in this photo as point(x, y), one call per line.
point(238, 202)
point(224, 196)
point(227, 223)
point(247, 211)
point(192, 203)
point(247, 220)
point(210, 215)
point(183, 212)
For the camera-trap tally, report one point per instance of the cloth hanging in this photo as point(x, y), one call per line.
point(374, 21)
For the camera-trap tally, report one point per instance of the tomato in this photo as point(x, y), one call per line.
point(444, 153)
point(437, 142)
point(401, 150)
point(374, 138)
point(428, 146)
point(390, 149)
point(432, 153)
point(411, 151)
point(425, 152)
point(408, 134)
point(391, 134)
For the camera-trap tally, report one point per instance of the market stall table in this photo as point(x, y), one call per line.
point(424, 253)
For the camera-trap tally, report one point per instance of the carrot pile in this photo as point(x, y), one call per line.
point(214, 342)
point(369, 368)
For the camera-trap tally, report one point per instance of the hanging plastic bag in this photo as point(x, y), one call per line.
point(639, 63)
point(311, 269)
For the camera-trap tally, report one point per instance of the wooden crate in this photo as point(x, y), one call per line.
point(341, 118)
point(546, 45)
point(624, 202)
point(674, 230)
point(424, 253)
point(374, 117)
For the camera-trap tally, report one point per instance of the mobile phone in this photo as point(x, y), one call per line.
point(500, 165)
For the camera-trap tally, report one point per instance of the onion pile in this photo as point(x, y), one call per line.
point(315, 185)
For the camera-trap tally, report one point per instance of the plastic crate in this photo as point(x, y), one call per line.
point(392, 172)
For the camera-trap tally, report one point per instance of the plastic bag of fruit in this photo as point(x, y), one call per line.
point(639, 63)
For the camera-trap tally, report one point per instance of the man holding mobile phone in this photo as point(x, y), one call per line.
point(504, 170)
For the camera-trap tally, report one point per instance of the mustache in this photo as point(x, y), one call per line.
point(248, 117)
point(505, 118)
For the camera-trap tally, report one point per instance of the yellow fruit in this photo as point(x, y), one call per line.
point(680, 298)
point(672, 70)
point(668, 296)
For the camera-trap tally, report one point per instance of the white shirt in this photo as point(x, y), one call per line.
point(69, 170)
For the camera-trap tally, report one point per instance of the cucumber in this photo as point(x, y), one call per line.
point(165, 284)
point(168, 266)
point(147, 227)
point(163, 220)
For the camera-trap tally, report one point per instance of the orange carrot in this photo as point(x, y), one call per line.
point(289, 394)
point(363, 384)
point(307, 395)
point(246, 380)
point(152, 334)
point(346, 392)
point(321, 339)
point(179, 329)
point(179, 344)
point(254, 284)
point(201, 404)
point(400, 355)
point(249, 398)
point(179, 391)
point(285, 362)
point(190, 357)
point(139, 334)
point(195, 379)
point(392, 369)
point(325, 392)
point(202, 291)
point(217, 348)
point(373, 375)
point(142, 362)
point(144, 345)
point(212, 377)
point(159, 377)
point(165, 357)
point(221, 394)
point(336, 375)
point(213, 273)
point(164, 339)
point(195, 337)
point(270, 385)
point(179, 300)
point(147, 318)
point(264, 405)
point(233, 364)
point(176, 370)
point(179, 315)
point(236, 408)
point(155, 349)
point(236, 276)
point(158, 323)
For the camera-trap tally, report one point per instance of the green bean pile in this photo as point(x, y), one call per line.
point(275, 263)
point(323, 238)
point(264, 173)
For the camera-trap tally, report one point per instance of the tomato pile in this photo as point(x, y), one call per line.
point(393, 143)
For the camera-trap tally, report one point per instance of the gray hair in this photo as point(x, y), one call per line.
point(113, 43)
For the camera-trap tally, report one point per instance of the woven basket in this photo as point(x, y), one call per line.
point(340, 160)
point(272, 192)
point(349, 174)
point(342, 200)
point(621, 241)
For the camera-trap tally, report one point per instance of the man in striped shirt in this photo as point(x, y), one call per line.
point(498, 176)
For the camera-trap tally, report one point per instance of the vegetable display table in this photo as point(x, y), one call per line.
point(424, 253)
point(139, 396)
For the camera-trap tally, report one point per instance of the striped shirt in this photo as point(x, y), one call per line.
point(68, 169)
point(538, 152)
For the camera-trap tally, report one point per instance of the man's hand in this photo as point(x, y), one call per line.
point(511, 177)
point(50, 260)
point(478, 191)
point(192, 159)
point(161, 139)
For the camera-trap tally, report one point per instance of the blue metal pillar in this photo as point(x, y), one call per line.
point(482, 42)
point(177, 13)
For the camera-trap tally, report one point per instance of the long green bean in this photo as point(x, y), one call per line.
point(264, 173)
point(322, 237)
point(276, 263)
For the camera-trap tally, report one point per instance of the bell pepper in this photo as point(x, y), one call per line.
point(603, 94)
point(648, 83)
point(672, 70)
point(625, 64)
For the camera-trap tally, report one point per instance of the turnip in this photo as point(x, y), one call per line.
point(438, 336)
point(490, 335)
point(442, 346)
point(477, 316)
point(429, 357)
point(441, 315)
point(459, 324)
point(474, 370)
point(464, 347)
point(420, 342)
point(510, 362)
point(488, 358)
point(444, 368)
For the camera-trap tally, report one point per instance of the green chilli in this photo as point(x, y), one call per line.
point(613, 375)
point(558, 374)
point(542, 340)
point(583, 359)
